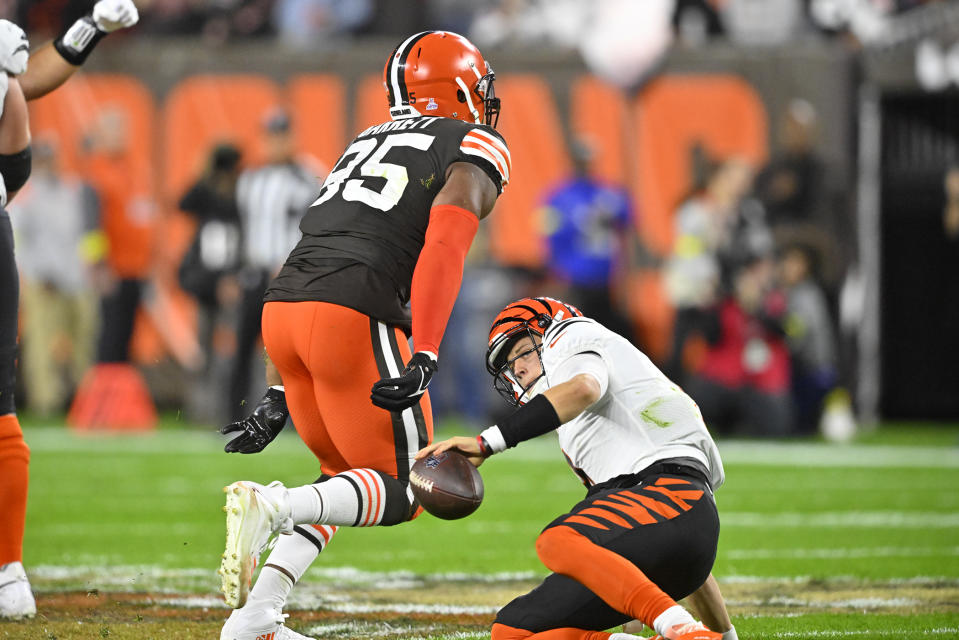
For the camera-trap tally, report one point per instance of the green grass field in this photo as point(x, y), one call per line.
point(818, 540)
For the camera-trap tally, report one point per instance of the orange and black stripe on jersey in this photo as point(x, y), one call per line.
point(483, 144)
point(637, 506)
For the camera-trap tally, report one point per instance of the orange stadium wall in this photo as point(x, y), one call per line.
point(644, 139)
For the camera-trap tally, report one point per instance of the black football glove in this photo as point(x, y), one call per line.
point(396, 394)
point(259, 428)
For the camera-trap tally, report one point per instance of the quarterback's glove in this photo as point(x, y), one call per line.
point(396, 394)
point(110, 15)
point(14, 48)
point(260, 427)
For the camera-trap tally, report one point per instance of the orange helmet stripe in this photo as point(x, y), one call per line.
point(396, 74)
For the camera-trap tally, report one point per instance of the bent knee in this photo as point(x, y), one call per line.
point(505, 632)
point(555, 544)
point(398, 507)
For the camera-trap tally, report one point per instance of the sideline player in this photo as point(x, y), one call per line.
point(646, 533)
point(48, 68)
point(393, 223)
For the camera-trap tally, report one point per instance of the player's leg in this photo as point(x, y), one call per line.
point(293, 554)
point(16, 599)
point(118, 313)
point(314, 347)
point(83, 329)
point(346, 352)
point(635, 550)
point(250, 526)
point(560, 608)
point(261, 611)
point(379, 446)
point(43, 323)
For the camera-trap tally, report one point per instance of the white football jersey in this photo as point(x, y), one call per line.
point(643, 416)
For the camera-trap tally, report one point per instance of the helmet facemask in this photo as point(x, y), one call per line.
point(491, 103)
point(484, 91)
point(527, 317)
point(504, 378)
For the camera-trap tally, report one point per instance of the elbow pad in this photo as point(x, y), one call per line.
point(15, 168)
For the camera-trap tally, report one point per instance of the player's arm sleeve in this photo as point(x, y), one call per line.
point(439, 272)
point(486, 149)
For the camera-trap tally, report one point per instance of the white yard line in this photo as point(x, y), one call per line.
point(135, 577)
point(855, 552)
point(847, 603)
point(301, 603)
point(375, 629)
point(839, 580)
point(898, 633)
point(864, 519)
point(400, 607)
point(779, 454)
point(823, 454)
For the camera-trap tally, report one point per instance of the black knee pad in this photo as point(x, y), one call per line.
point(399, 507)
point(15, 168)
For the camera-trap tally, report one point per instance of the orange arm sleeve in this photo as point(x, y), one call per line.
point(439, 272)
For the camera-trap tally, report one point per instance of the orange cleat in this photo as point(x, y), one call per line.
point(690, 631)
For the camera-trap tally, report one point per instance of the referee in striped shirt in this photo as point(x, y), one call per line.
point(271, 199)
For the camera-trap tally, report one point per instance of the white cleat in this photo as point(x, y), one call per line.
point(253, 514)
point(251, 623)
point(16, 598)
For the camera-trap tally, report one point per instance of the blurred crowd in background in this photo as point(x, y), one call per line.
point(754, 276)
point(754, 339)
point(524, 23)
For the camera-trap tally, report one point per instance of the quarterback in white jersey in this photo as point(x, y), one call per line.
point(641, 417)
point(645, 535)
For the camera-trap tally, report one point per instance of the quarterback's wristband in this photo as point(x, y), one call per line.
point(484, 446)
point(76, 43)
point(533, 419)
point(492, 438)
point(730, 634)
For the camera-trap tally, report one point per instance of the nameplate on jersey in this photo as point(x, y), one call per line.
point(398, 125)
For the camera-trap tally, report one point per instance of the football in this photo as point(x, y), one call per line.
point(447, 485)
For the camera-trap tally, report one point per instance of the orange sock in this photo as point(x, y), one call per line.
point(620, 583)
point(14, 462)
point(503, 632)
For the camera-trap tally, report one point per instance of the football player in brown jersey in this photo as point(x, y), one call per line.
point(381, 258)
point(48, 67)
